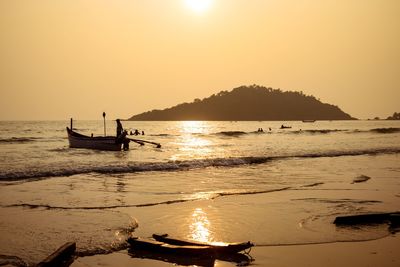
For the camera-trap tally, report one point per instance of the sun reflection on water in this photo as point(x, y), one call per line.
point(191, 143)
point(200, 127)
point(195, 142)
point(200, 225)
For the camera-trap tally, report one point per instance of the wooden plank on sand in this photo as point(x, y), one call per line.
point(60, 256)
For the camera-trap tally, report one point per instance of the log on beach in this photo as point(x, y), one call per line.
point(360, 179)
point(369, 218)
point(61, 257)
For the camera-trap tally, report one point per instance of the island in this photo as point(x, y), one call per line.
point(249, 103)
point(395, 116)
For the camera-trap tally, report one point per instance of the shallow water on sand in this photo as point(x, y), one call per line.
point(211, 181)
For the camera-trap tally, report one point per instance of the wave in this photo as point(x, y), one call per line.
point(60, 149)
point(313, 184)
point(315, 131)
point(377, 151)
point(338, 201)
point(25, 140)
point(50, 207)
point(132, 168)
point(321, 131)
point(162, 135)
point(386, 130)
point(378, 130)
point(12, 261)
point(288, 131)
point(167, 202)
point(181, 165)
point(42, 173)
point(13, 140)
point(231, 133)
point(328, 131)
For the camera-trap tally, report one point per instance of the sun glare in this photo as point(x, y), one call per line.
point(200, 226)
point(198, 6)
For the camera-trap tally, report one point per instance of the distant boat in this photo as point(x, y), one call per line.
point(285, 127)
point(308, 120)
point(77, 140)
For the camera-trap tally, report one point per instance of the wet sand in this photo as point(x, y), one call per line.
point(291, 223)
point(279, 231)
point(381, 252)
point(278, 218)
point(291, 227)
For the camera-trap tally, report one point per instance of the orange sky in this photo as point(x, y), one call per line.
point(62, 59)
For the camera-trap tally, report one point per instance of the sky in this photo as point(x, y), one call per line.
point(69, 58)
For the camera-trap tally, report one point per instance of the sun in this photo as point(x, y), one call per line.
point(198, 6)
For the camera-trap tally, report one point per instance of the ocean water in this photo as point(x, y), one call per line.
point(210, 181)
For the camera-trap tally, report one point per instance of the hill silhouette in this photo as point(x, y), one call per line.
point(249, 103)
point(395, 116)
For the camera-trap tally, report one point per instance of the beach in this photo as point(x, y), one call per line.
point(381, 252)
point(289, 227)
point(263, 133)
point(210, 182)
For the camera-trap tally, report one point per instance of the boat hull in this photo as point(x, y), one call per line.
point(220, 249)
point(77, 140)
point(160, 247)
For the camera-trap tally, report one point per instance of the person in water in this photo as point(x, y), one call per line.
point(121, 136)
point(119, 127)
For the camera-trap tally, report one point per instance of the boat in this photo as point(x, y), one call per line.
point(111, 143)
point(224, 248)
point(161, 247)
point(205, 260)
point(308, 120)
point(286, 127)
point(164, 244)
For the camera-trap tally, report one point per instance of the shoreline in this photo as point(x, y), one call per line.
point(287, 207)
point(378, 252)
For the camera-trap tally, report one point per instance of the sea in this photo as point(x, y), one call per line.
point(210, 181)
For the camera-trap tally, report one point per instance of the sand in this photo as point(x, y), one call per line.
point(292, 226)
point(381, 252)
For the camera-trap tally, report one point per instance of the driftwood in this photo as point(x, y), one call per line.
point(370, 218)
point(61, 257)
point(360, 179)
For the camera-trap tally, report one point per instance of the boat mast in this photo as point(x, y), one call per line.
point(104, 120)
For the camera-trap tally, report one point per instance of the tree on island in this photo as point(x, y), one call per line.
point(395, 116)
point(249, 103)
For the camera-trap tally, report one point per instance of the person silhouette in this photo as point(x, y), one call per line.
point(119, 127)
